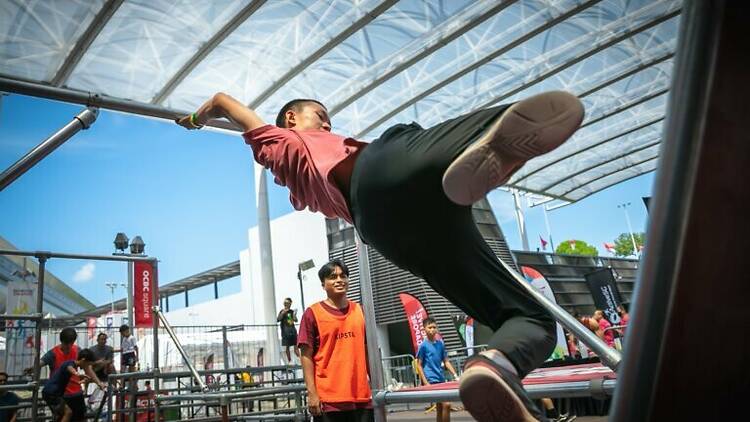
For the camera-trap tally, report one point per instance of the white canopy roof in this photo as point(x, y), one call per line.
point(373, 63)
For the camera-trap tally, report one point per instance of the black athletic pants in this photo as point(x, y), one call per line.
point(358, 415)
point(399, 208)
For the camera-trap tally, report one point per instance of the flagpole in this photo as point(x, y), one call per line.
point(549, 231)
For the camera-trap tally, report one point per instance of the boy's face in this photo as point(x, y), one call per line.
point(312, 116)
point(126, 333)
point(337, 283)
point(287, 304)
point(431, 330)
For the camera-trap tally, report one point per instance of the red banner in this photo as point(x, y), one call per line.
point(145, 284)
point(415, 313)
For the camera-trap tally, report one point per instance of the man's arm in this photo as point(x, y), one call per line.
point(280, 316)
point(420, 372)
point(308, 370)
point(223, 105)
point(89, 371)
point(450, 368)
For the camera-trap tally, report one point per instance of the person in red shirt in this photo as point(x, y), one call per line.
point(68, 351)
point(332, 342)
point(607, 333)
point(409, 195)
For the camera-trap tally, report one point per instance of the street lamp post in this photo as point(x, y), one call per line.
point(303, 266)
point(630, 228)
point(137, 248)
point(112, 286)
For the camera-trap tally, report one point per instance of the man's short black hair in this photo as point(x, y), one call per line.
point(124, 327)
point(86, 354)
point(102, 333)
point(328, 269)
point(294, 105)
point(68, 335)
point(4, 374)
point(429, 320)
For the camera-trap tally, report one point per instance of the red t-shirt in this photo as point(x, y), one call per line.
point(302, 160)
point(609, 335)
point(310, 336)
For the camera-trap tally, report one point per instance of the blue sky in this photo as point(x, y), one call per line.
point(189, 195)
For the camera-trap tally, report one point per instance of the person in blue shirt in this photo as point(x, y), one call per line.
point(431, 356)
point(54, 388)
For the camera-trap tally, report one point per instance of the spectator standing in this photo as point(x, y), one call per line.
point(287, 318)
point(431, 356)
point(128, 350)
point(334, 357)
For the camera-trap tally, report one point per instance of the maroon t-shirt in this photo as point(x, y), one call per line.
point(310, 336)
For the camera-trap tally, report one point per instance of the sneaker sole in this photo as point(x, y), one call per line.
point(488, 398)
point(529, 128)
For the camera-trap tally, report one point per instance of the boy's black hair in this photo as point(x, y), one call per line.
point(4, 373)
point(87, 355)
point(427, 321)
point(328, 269)
point(289, 299)
point(68, 335)
point(102, 333)
point(124, 327)
point(294, 105)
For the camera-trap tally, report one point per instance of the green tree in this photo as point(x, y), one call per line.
point(581, 248)
point(624, 244)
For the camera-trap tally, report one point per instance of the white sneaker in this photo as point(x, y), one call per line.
point(528, 128)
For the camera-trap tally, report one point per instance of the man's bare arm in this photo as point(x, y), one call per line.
point(308, 370)
point(223, 105)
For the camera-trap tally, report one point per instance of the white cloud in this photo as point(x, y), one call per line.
point(85, 273)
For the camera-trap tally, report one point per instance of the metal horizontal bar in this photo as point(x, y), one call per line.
point(535, 391)
point(34, 317)
point(90, 99)
point(18, 387)
point(45, 254)
point(211, 397)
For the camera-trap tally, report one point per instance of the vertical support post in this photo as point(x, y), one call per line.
point(225, 348)
point(155, 336)
point(216, 289)
point(187, 302)
point(549, 230)
point(38, 338)
point(368, 305)
point(521, 220)
point(266, 270)
point(129, 297)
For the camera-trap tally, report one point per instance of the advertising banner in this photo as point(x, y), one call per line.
point(604, 291)
point(145, 284)
point(537, 280)
point(19, 334)
point(415, 314)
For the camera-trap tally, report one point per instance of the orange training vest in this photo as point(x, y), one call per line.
point(74, 385)
point(341, 361)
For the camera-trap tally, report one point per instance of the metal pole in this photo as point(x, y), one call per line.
point(521, 221)
point(266, 270)
point(368, 305)
point(82, 120)
point(38, 254)
point(608, 355)
point(185, 357)
point(636, 253)
point(225, 343)
point(700, 30)
point(129, 297)
point(96, 100)
point(549, 231)
point(301, 289)
point(38, 339)
point(155, 336)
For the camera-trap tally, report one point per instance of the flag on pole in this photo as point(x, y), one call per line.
point(544, 242)
point(610, 247)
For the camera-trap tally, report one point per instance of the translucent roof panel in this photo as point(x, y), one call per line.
point(374, 63)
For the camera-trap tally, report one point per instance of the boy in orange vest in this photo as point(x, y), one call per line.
point(332, 342)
